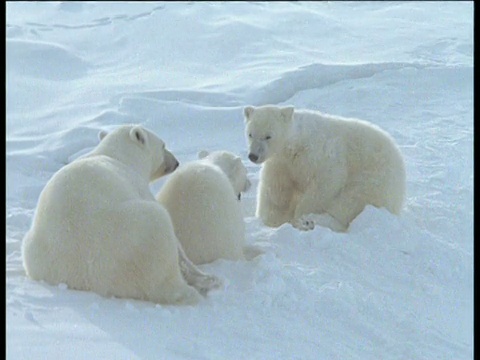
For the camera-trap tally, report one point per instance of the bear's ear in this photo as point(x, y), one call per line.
point(287, 113)
point(102, 134)
point(138, 134)
point(247, 112)
point(202, 154)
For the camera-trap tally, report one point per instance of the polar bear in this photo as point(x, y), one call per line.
point(321, 169)
point(203, 199)
point(97, 226)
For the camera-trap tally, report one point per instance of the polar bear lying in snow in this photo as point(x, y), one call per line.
point(203, 199)
point(97, 226)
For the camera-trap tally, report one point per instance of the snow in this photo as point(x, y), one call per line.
point(391, 288)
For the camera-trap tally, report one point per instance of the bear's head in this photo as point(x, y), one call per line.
point(266, 130)
point(140, 148)
point(232, 166)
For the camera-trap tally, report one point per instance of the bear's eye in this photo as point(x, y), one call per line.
point(268, 137)
point(250, 135)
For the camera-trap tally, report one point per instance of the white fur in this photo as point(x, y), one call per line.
point(321, 164)
point(202, 198)
point(97, 227)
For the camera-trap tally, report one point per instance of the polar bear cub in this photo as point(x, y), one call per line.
point(202, 198)
point(97, 226)
point(321, 169)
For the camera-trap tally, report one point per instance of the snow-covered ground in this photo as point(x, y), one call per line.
point(390, 288)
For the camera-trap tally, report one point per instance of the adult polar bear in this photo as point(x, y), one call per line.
point(321, 169)
point(97, 226)
point(202, 198)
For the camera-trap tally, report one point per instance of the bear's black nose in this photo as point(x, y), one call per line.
point(253, 157)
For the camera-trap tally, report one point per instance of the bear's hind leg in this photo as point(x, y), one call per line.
point(176, 292)
point(147, 253)
point(194, 276)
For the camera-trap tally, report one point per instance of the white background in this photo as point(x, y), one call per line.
point(391, 288)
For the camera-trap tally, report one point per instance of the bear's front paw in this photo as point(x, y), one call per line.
point(308, 222)
point(304, 223)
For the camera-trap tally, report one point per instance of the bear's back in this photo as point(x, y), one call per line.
point(369, 154)
point(362, 141)
point(73, 204)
